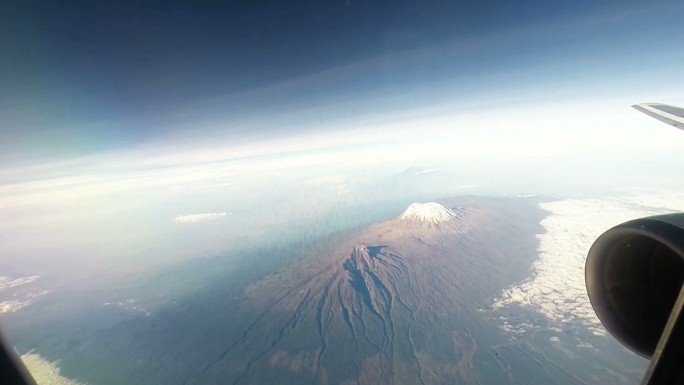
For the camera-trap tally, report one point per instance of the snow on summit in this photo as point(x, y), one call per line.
point(428, 212)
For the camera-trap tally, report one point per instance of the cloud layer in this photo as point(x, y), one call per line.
point(556, 287)
point(45, 372)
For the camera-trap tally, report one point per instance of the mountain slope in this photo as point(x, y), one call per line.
point(386, 305)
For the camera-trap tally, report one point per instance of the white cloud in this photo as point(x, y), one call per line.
point(15, 300)
point(201, 217)
point(13, 305)
point(45, 372)
point(556, 287)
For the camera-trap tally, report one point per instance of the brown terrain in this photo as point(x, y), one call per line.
point(396, 303)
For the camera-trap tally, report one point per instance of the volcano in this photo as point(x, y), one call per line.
point(395, 303)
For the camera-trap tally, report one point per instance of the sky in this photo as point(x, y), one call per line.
point(81, 77)
point(147, 117)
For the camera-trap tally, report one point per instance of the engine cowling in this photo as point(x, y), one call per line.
point(634, 273)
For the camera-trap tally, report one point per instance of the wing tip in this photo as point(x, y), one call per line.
point(648, 104)
point(671, 115)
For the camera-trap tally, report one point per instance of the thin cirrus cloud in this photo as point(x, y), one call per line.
point(201, 217)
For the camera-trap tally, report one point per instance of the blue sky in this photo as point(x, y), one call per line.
point(80, 78)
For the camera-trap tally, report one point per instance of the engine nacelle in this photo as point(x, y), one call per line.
point(634, 273)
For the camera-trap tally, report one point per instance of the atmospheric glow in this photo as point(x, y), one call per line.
point(586, 127)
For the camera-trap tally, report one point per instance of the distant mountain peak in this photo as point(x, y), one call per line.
point(430, 212)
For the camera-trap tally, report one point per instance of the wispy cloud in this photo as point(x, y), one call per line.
point(8, 282)
point(12, 299)
point(427, 171)
point(13, 305)
point(201, 217)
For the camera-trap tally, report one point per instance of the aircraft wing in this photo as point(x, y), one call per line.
point(671, 115)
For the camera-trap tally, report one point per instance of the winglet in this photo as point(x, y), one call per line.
point(671, 115)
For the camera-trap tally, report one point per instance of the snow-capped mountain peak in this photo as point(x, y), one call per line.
point(430, 212)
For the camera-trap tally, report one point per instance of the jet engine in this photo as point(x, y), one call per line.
point(634, 275)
